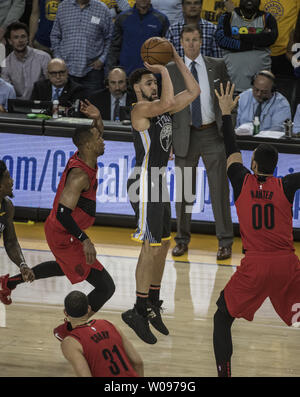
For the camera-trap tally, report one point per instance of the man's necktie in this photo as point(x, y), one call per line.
point(117, 109)
point(258, 110)
point(56, 94)
point(196, 104)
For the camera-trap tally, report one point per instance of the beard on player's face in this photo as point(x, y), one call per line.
point(151, 97)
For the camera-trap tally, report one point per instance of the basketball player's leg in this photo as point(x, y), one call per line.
point(137, 318)
point(103, 291)
point(222, 339)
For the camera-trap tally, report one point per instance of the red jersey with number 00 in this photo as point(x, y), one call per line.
point(85, 212)
point(103, 349)
point(265, 216)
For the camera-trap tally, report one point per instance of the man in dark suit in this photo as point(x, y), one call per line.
point(114, 96)
point(58, 85)
point(197, 132)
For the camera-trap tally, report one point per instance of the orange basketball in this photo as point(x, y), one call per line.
point(156, 50)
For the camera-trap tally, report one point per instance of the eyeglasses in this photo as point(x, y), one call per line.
point(57, 73)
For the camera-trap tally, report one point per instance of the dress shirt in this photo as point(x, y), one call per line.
point(113, 102)
point(60, 90)
point(6, 92)
point(207, 107)
point(22, 74)
point(209, 46)
point(296, 127)
point(274, 111)
point(81, 35)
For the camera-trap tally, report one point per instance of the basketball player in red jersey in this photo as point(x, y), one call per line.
point(74, 209)
point(97, 347)
point(270, 267)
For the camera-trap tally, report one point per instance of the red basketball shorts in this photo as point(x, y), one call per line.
point(69, 254)
point(262, 276)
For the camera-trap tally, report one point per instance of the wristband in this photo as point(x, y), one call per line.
point(22, 264)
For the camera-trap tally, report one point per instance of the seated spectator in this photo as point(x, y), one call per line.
point(6, 92)
point(24, 65)
point(42, 17)
point(81, 35)
point(10, 12)
point(245, 34)
point(191, 11)
point(58, 85)
point(296, 126)
point(131, 29)
point(264, 101)
point(109, 100)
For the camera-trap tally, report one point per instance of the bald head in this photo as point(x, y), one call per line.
point(57, 72)
point(117, 83)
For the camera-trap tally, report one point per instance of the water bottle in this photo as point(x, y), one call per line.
point(256, 125)
point(55, 109)
point(288, 128)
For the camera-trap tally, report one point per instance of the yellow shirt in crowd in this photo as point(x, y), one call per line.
point(286, 13)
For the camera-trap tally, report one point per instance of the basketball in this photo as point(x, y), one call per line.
point(157, 50)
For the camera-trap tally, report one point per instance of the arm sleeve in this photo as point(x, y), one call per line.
point(113, 56)
point(236, 174)
point(280, 114)
point(229, 136)
point(56, 36)
point(107, 30)
point(291, 183)
point(64, 217)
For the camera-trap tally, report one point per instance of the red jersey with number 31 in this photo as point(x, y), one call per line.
point(265, 216)
point(103, 349)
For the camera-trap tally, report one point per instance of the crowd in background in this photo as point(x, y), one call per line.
point(93, 37)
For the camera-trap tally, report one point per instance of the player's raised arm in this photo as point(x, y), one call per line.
point(227, 104)
point(149, 104)
point(92, 112)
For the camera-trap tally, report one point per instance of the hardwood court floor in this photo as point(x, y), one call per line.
point(191, 286)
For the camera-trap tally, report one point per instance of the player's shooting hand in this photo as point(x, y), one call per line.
point(89, 110)
point(175, 53)
point(27, 274)
point(89, 251)
point(154, 68)
point(226, 101)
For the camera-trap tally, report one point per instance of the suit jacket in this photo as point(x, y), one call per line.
point(101, 99)
point(42, 91)
point(217, 73)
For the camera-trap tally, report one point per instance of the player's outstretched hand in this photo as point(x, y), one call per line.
point(226, 101)
point(89, 110)
point(154, 68)
point(89, 251)
point(27, 274)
